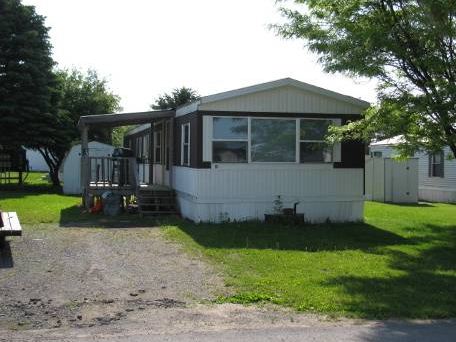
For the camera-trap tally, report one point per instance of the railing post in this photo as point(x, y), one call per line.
point(133, 171)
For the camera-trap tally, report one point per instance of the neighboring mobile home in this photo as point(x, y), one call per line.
point(229, 155)
point(436, 171)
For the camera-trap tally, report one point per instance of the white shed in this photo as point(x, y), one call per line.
point(390, 180)
point(71, 166)
point(436, 176)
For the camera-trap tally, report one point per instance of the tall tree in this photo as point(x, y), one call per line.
point(408, 45)
point(26, 77)
point(178, 97)
point(76, 94)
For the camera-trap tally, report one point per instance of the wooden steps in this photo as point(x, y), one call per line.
point(156, 202)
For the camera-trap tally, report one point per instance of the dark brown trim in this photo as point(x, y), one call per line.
point(352, 152)
point(196, 137)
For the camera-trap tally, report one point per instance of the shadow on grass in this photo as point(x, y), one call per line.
point(20, 191)
point(310, 238)
point(76, 217)
point(426, 287)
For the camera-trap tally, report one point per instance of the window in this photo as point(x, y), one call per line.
point(313, 148)
point(436, 164)
point(230, 140)
point(377, 154)
point(273, 140)
point(185, 144)
point(158, 145)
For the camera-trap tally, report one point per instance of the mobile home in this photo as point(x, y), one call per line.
point(230, 155)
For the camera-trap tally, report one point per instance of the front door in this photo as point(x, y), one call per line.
point(158, 154)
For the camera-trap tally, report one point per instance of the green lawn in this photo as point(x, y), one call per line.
point(400, 263)
point(36, 201)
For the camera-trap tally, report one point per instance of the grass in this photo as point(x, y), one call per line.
point(36, 201)
point(400, 263)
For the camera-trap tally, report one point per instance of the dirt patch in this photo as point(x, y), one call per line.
point(82, 277)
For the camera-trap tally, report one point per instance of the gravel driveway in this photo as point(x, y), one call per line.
point(82, 277)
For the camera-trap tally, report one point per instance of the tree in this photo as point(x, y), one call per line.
point(409, 46)
point(178, 97)
point(118, 134)
point(76, 94)
point(26, 77)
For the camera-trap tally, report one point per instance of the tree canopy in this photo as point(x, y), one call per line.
point(407, 45)
point(76, 94)
point(26, 77)
point(178, 97)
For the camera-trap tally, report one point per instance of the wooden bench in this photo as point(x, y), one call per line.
point(9, 225)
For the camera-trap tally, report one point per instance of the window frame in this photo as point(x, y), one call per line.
point(433, 164)
point(313, 141)
point(247, 139)
point(183, 143)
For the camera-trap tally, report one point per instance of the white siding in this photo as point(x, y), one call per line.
point(286, 99)
point(401, 180)
point(433, 189)
point(207, 138)
point(437, 189)
point(390, 180)
point(247, 191)
point(375, 179)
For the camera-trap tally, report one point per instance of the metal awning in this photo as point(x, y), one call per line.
point(123, 119)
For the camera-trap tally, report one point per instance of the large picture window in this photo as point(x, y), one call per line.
point(312, 145)
point(230, 140)
point(273, 140)
point(185, 144)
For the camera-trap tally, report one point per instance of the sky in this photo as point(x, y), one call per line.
point(147, 47)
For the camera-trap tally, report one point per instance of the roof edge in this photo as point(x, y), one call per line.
point(283, 82)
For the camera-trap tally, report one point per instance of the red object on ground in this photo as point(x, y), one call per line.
point(97, 207)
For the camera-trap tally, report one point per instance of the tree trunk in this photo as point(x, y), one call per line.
point(54, 176)
point(453, 149)
point(53, 164)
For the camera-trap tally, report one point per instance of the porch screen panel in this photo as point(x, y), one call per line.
point(273, 140)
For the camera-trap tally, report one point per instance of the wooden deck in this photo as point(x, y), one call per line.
point(9, 225)
point(98, 188)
